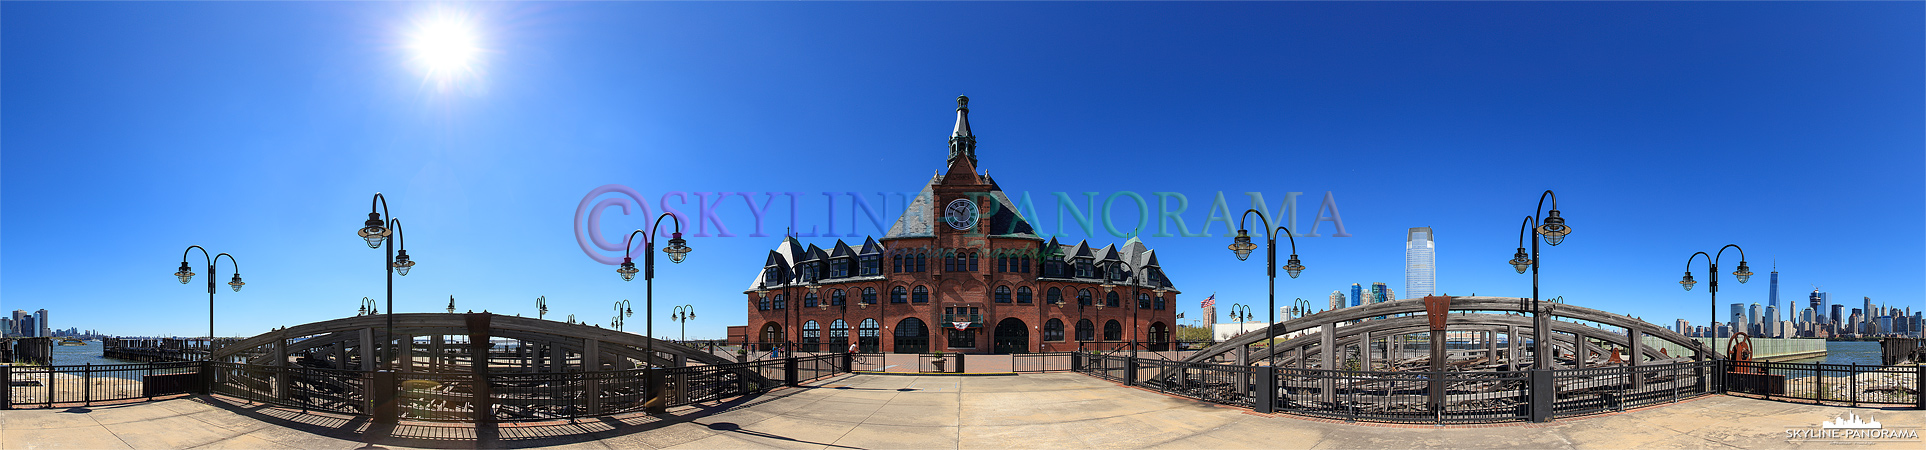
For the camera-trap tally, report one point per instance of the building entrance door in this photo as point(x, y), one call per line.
point(1011, 336)
point(912, 336)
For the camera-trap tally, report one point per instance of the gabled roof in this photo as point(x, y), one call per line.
point(814, 254)
point(786, 252)
point(870, 247)
point(915, 221)
point(841, 250)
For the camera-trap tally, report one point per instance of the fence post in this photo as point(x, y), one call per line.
point(6, 397)
point(789, 371)
point(384, 407)
point(1919, 381)
point(1265, 387)
point(1130, 370)
point(1542, 389)
point(1854, 387)
point(849, 362)
point(86, 384)
point(206, 384)
point(1076, 361)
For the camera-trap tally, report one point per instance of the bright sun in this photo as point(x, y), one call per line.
point(445, 46)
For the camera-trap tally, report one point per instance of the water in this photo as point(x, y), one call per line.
point(74, 355)
point(1865, 353)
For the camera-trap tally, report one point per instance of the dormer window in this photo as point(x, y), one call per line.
point(839, 268)
point(1085, 269)
point(871, 265)
point(1117, 272)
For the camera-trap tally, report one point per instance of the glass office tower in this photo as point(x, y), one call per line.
point(1420, 263)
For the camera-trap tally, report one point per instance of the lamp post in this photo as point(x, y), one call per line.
point(541, 307)
point(1241, 313)
point(1553, 230)
point(677, 250)
point(1300, 308)
point(1712, 267)
point(1242, 246)
point(186, 274)
point(369, 306)
point(375, 231)
point(451, 304)
point(683, 314)
point(622, 310)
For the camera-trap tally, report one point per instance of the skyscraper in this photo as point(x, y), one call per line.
point(1337, 300)
point(1420, 263)
point(1380, 293)
point(40, 318)
point(1738, 317)
point(1838, 318)
point(1867, 318)
point(1818, 306)
point(1752, 325)
point(1772, 296)
point(1357, 294)
point(1769, 325)
point(1682, 327)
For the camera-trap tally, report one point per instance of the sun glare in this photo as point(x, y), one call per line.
point(446, 48)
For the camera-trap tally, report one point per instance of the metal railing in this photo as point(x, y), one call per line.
point(1618, 388)
point(1841, 384)
point(1215, 383)
point(53, 386)
point(1039, 362)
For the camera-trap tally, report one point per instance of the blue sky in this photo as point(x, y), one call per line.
point(132, 130)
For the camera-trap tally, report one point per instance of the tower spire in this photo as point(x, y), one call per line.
point(962, 143)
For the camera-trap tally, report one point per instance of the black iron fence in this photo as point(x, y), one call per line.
point(1838, 384)
point(1040, 362)
point(52, 386)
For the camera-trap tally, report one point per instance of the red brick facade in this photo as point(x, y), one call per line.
point(778, 299)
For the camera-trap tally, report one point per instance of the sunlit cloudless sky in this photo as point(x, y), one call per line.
point(132, 130)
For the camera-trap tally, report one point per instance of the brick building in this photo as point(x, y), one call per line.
point(960, 271)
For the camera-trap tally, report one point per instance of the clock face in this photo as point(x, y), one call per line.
point(960, 214)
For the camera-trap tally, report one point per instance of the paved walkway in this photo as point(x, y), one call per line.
point(877, 411)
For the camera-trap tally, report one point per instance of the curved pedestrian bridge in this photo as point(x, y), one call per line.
point(1055, 410)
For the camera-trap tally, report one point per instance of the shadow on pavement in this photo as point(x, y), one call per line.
point(502, 435)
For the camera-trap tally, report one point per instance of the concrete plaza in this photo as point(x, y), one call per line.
point(1056, 410)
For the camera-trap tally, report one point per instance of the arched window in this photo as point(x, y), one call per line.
point(780, 302)
point(1053, 296)
point(771, 333)
point(1023, 294)
point(1086, 331)
point(1002, 294)
point(972, 260)
point(762, 303)
point(1112, 331)
point(1026, 265)
point(1143, 301)
point(920, 295)
point(896, 262)
point(869, 295)
point(949, 262)
point(920, 260)
point(1157, 303)
point(837, 297)
point(1083, 297)
point(1110, 299)
point(809, 300)
point(912, 336)
point(1053, 330)
point(898, 295)
point(868, 337)
point(839, 335)
point(812, 335)
point(1002, 264)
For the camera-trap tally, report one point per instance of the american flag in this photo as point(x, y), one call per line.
point(1211, 300)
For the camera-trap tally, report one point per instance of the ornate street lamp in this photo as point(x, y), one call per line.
point(1712, 267)
point(186, 274)
point(1242, 246)
point(622, 311)
point(376, 230)
point(541, 307)
point(1553, 230)
point(683, 314)
point(368, 307)
point(677, 250)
